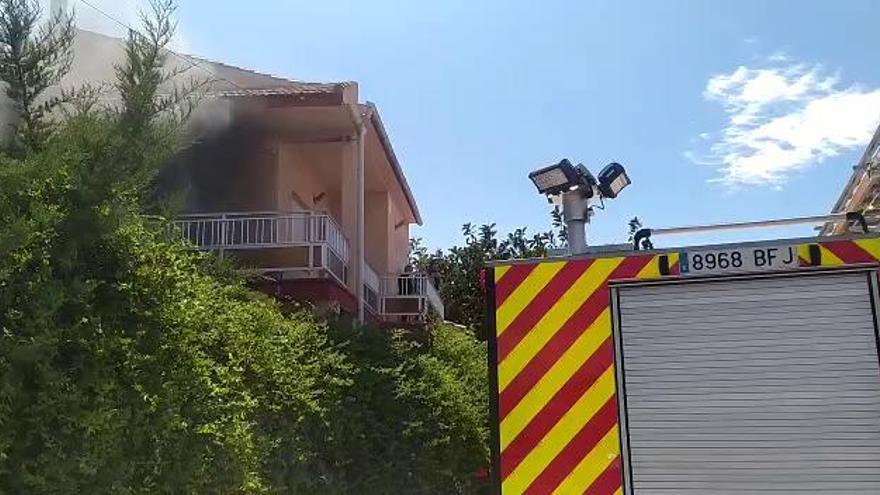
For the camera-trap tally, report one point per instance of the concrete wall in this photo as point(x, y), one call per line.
point(398, 239)
point(299, 187)
point(376, 232)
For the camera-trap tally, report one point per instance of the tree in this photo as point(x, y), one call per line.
point(458, 271)
point(559, 224)
point(33, 58)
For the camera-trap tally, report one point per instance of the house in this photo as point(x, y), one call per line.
point(297, 181)
point(862, 191)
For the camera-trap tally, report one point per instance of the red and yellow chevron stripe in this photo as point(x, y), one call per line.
point(843, 252)
point(557, 405)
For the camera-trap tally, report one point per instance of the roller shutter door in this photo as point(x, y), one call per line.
point(743, 386)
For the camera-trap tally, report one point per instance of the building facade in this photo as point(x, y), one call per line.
point(297, 182)
point(862, 191)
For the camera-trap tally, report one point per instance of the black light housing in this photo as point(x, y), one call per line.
point(612, 180)
point(563, 177)
point(556, 179)
point(587, 181)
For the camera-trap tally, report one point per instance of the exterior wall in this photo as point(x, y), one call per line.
point(376, 235)
point(298, 185)
point(398, 240)
point(348, 204)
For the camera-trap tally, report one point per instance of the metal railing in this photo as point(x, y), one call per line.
point(433, 296)
point(372, 289)
point(416, 286)
point(263, 230)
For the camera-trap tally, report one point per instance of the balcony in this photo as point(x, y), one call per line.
point(409, 297)
point(305, 243)
point(309, 245)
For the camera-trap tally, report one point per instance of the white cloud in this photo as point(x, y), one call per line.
point(779, 56)
point(781, 119)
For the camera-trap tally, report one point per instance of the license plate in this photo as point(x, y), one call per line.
point(747, 259)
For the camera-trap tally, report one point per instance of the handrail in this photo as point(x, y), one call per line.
point(434, 298)
point(257, 213)
point(413, 285)
point(242, 230)
point(371, 278)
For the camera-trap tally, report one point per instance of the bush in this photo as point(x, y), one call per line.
point(126, 367)
point(416, 420)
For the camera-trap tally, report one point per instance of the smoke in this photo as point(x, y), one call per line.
point(101, 17)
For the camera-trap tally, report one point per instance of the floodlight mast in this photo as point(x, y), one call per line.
point(576, 214)
point(575, 186)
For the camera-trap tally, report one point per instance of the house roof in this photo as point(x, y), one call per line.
point(859, 173)
point(228, 81)
point(392, 158)
point(860, 189)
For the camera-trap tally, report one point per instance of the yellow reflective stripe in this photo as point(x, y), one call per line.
point(651, 270)
point(804, 252)
point(871, 246)
point(561, 434)
point(554, 319)
point(523, 295)
point(673, 259)
point(500, 271)
point(829, 258)
point(556, 377)
point(592, 466)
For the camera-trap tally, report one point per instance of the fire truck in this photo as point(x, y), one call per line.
point(723, 369)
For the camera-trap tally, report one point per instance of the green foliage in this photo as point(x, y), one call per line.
point(130, 364)
point(141, 78)
point(559, 223)
point(416, 419)
point(127, 367)
point(33, 58)
point(459, 271)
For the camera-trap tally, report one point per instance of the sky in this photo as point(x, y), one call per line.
point(720, 111)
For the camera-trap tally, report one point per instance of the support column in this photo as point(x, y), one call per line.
point(349, 202)
point(353, 214)
point(359, 271)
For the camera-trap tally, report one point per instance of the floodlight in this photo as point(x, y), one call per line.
point(612, 180)
point(556, 179)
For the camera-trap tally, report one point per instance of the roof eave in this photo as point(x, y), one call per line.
point(392, 159)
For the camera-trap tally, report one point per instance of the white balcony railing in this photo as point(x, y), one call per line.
point(407, 295)
point(261, 230)
point(433, 296)
point(372, 289)
point(415, 286)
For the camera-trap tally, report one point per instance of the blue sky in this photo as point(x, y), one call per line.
point(721, 111)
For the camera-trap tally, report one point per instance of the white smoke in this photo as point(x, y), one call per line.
point(113, 17)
